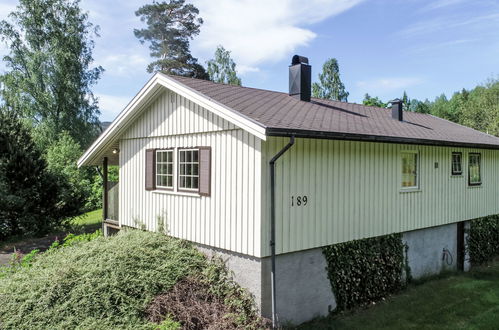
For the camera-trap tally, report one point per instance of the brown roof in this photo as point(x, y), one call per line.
point(283, 115)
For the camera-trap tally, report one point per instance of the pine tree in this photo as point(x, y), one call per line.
point(170, 27)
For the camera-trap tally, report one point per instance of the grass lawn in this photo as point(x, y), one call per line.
point(457, 301)
point(89, 221)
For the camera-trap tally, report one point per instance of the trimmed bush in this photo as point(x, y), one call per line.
point(366, 270)
point(483, 239)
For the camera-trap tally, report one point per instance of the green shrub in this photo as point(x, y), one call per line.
point(105, 283)
point(483, 239)
point(28, 191)
point(364, 271)
point(79, 194)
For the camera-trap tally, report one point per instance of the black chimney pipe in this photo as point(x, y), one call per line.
point(300, 78)
point(397, 112)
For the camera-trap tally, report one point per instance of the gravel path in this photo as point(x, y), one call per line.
point(25, 246)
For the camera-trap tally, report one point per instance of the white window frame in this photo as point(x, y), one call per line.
point(418, 170)
point(172, 163)
point(179, 166)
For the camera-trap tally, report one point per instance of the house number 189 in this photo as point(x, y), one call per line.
point(299, 200)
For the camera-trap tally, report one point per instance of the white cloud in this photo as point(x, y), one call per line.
point(439, 4)
point(111, 105)
point(258, 31)
point(122, 65)
point(438, 24)
point(383, 85)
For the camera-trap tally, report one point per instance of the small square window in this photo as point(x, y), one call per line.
point(410, 169)
point(164, 169)
point(474, 169)
point(457, 167)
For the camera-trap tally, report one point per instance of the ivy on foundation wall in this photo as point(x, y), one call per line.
point(364, 271)
point(483, 239)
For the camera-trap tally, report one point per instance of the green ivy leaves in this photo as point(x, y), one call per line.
point(366, 270)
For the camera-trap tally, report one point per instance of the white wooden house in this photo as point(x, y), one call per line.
point(194, 155)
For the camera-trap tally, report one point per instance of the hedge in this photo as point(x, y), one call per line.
point(364, 271)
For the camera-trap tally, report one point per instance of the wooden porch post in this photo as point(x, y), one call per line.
point(105, 199)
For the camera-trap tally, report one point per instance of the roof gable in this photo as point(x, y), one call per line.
point(107, 140)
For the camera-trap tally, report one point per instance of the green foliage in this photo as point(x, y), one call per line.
point(373, 101)
point(78, 194)
point(483, 239)
point(330, 86)
point(222, 69)
point(477, 108)
point(49, 78)
point(72, 239)
point(105, 283)
point(366, 270)
point(167, 324)
point(28, 191)
point(170, 27)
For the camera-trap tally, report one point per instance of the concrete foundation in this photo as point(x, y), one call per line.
point(303, 288)
point(431, 250)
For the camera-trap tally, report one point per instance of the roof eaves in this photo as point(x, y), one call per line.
point(286, 132)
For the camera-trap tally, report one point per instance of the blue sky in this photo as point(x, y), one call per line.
point(383, 46)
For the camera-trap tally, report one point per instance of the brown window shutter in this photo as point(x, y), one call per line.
point(150, 169)
point(204, 171)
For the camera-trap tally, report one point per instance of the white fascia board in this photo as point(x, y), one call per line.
point(142, 97)
point(217, 108)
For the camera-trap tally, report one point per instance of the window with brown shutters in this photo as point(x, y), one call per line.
point(192, 170)
point(150, 169)
point(204, 171)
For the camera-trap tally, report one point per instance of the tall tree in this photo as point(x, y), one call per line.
point(330, 85)
point(170, 27)
point(222, 69)
point(406, 102)
point(373, 101)
point(49, 74)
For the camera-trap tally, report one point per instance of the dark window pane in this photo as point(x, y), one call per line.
point(188, 169)
point(170, 169)
point(182, 181)
point(195, 169)
point(169, 181)
point(195, 182)
point(182, 169)
point(182, 156)
point(195, 155)
point(188, 156)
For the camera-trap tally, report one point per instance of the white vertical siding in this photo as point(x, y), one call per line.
point(172, 115)
point(230, 217)
point(353, 191)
